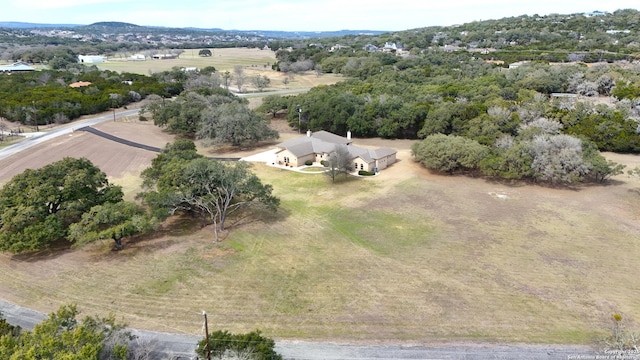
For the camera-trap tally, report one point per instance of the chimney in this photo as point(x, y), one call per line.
point(349, 135)
point(308, 133)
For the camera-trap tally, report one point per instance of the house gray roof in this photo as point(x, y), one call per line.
point(379, 153)
point(371, 155)
point(307, 145)
point(324, 142)
point(331, 138)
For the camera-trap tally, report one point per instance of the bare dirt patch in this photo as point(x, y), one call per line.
point(116, 160)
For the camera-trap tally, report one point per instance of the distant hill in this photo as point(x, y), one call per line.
point(26, 25)
point(116, 26)
point(113, 24)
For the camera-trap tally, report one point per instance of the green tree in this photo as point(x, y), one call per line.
point(8, 329)
point(271, 104)
point(513, 162)
point(62, 336)
point(173, 156)
point(252, 345)
point(204, 52)
point(37, 206)
point(211, 189)
point(111, 221)
point(601, 168)
point(234, 124)
point(449, 153)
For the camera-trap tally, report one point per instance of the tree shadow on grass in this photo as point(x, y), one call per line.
point(57, 249)
point(257, 216)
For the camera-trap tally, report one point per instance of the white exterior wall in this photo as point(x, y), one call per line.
point(90, 59)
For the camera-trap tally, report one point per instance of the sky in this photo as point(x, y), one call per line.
point(293, 15)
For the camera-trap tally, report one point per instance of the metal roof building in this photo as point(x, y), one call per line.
point(15, 67)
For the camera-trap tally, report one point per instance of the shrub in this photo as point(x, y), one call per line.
point(449, 153)
point(324, 163)
point(224, 343)
point(308, 162)
point(366, 173)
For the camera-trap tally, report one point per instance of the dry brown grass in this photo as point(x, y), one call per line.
point(404, 256)
point(254, 62)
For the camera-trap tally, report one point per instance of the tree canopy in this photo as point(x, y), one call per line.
point(252, 345)
point(37, 206)
point(234, 124)
point(63, 336)
point(181, 180)
point(111, 221)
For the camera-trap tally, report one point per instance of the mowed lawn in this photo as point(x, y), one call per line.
point(404, 256)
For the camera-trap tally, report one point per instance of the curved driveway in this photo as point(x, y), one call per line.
point(63, 130)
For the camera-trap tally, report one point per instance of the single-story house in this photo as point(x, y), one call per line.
point(317, 146)
point(16, 67)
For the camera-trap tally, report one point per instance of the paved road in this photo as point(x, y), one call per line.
point(181, 346)
point(265, 93)
point(67, 129)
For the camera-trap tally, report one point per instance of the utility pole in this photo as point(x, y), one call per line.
point(206, 336)
point(299, 116)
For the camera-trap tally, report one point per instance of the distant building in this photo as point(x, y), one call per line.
point(79, 84)
point(16, 67)
point(337, 47)
point(517, 64)
point(370, 48)
point(165, 56)
point(391, 47)
point(595, 13)
point(137, 57)
point(90, 59)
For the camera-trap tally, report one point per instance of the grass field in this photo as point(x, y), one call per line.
point(405, 256)
point(254, 62)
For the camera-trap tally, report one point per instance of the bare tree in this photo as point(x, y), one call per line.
point(3, 129)
point(226, 77)
point(60, 118)
point(260, 82)
point(340, 162)
point(239, 76)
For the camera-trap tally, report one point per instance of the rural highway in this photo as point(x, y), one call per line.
point(181, 346)
point(63, 130)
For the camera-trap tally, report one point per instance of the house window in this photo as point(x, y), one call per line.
point(361, 166)
point(355, 166)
